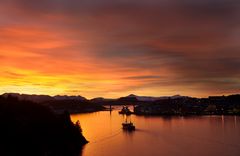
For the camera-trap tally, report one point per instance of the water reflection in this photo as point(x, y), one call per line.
point(170, 136)
point(235, 121)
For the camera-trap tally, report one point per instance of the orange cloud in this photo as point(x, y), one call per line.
point(116, 48)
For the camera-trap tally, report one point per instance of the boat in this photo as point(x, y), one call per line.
point(128, 126)
point(125, 110)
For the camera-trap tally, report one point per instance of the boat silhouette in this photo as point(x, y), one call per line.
point(128, 126)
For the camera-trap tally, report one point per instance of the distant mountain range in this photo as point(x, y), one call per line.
point(44, 98)
point(150, 98)
point(144, 105)
point(59, 103)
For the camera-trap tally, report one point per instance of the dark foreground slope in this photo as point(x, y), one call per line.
point(27, 128)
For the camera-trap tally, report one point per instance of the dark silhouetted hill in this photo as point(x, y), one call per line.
point(73, 106)
point(28, 128)
point(60, 103)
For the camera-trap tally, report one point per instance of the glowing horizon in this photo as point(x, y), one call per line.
point(112, 49)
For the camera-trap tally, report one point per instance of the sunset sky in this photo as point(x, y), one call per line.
point(113, 48)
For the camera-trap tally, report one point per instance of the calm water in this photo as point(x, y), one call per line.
point(160, 136)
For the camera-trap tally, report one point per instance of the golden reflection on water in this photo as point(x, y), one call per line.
point(167, 136)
